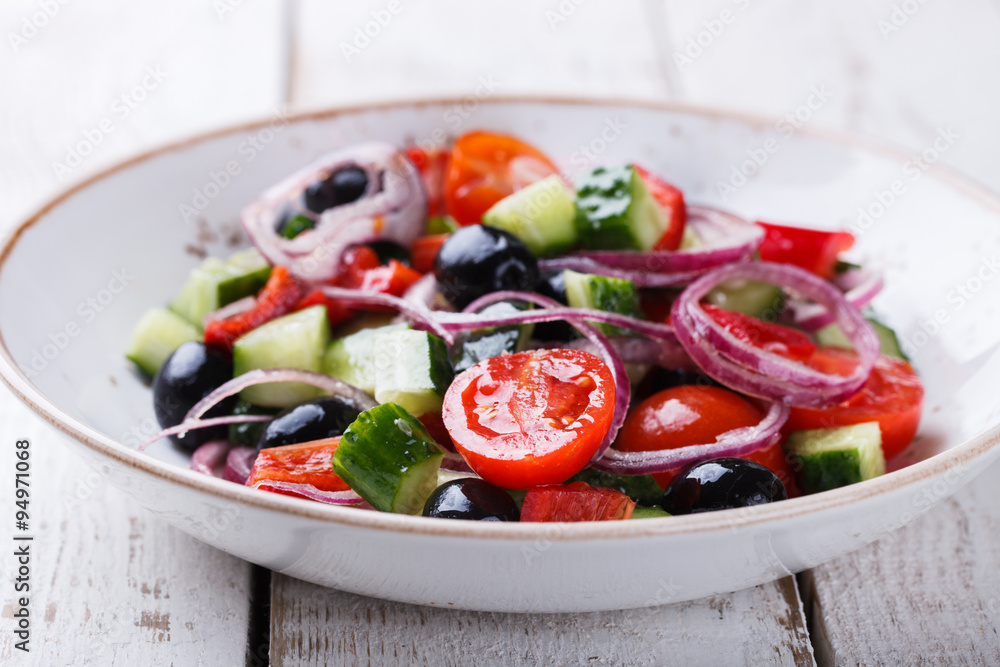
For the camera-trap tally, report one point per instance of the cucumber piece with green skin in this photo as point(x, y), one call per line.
point(615, 211)
point(352, 358)
point(247, 435)
point(296, 225)
point(829, 458)
point(216, 283)
point(412, 369)
point(649, 513)
point(246, 273)
point(493, 341)
point(833, 335)
point(298, 340)
point(614, 295)
point(441, 224)
point(155, 337)
point(389, 459)
point(750, 297)
point(543, 215)
point(643, 489)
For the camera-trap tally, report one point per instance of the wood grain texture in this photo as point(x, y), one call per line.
point(927, 594)
point(317, 626)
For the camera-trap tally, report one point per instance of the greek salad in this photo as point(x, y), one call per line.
point(468, 333)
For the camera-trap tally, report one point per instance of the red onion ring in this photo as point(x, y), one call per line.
point(414, 313)
point(195, 424)
point(311, 492)
point(758, 372)
point(633, 350)
point(210, 456)
point(394, 207)
point(738, 442)
point(860, 287)
point(238, 464)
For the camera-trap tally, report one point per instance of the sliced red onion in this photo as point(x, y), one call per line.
point(312, 493)
point(860, 287)
point(738, 442)
point(415, 314)
point(726, 238)
point(230, 310)
point(356, 397)
point(623, 387)
point(423, 293)
point(634, 350)
point(758, 372)
point(238, 464)
point(209, 457)
point(394, 207)
point(195, 424)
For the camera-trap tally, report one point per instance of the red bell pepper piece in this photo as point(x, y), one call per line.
point(424, 251)
point(575, 502)
point(810, 249)
point(277, 298)
point(305, 463)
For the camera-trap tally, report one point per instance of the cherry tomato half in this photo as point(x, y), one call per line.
point(810, 249)
point(892, 396)
point(672, 201)
point(485, 168)
point(530, 418)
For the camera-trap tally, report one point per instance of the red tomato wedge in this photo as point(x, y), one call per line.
point(530, 418)
point(576, 502)
point(893, 396)
point(683, 416)
point(781, 340)
point(277, 298)
point(809, 249)
point(485, 168)
point(672, 201)
point(432, 165)
point(306, 463)
point(424, 250)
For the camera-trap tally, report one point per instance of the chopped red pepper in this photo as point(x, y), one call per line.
point(424, 250)
point(305, 463)
point(432, 165)
point(336, 312)
point(357, 261)
point(809, 249)
point(672, 201)
point(781, 340)
point(277, 298)
point(575, 502)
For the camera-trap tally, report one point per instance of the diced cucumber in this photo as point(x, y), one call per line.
point(411, 369)
point(829, 458)
point(298, 341)
point(649, 513)
point(247, 435)
point(833, 335)
point(614, 210)
point(295, 225)
point(690, 239)
point(155, 337)
point(756, 299)
point(494, 341)
point(388, 458)
point(542, 215)
point(352, 358)
point(216, 283)
point(441, 224)
point(615, 295)
point(641, 488)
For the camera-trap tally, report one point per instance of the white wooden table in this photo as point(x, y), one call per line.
point(114, 585)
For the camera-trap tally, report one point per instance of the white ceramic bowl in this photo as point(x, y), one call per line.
point(77, 275)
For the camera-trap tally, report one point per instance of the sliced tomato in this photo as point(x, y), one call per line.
point(424, 250)
point(305, 463)
point(432, 165)
point(781, 340)
point(575, 502)
point(893, 396)
point(530, 418)
point(277, 298)
point(671, 200)
point(810, 249)
point(484, 168)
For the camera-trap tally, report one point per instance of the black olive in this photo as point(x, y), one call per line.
point(720, 484)
point(341, 187)
point(387, 250)
point(188, 375)
point(312, 420)
point(472, 499)
point(668, 378)
point(478, 260)
point(553, 285)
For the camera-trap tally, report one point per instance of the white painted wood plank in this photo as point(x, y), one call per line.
point(928, 594)
point(317, 626)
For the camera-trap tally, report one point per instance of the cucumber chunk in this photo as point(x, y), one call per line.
point(411, 369)
point(493, 341)
point(352, 358)
point(246, 273)
point(756, 299)
point(155, 337)
point(615, 295)
point(649, 513)
point(388, 458)
point(833, 335)
point(298, 341)
point(829, 458)
point(542, 215)
point(216, 283)
point(616, 211)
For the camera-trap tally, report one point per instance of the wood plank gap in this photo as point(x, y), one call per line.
point(259, 618)
point(815, 626)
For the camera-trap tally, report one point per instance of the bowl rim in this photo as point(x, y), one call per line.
point(957, 457)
